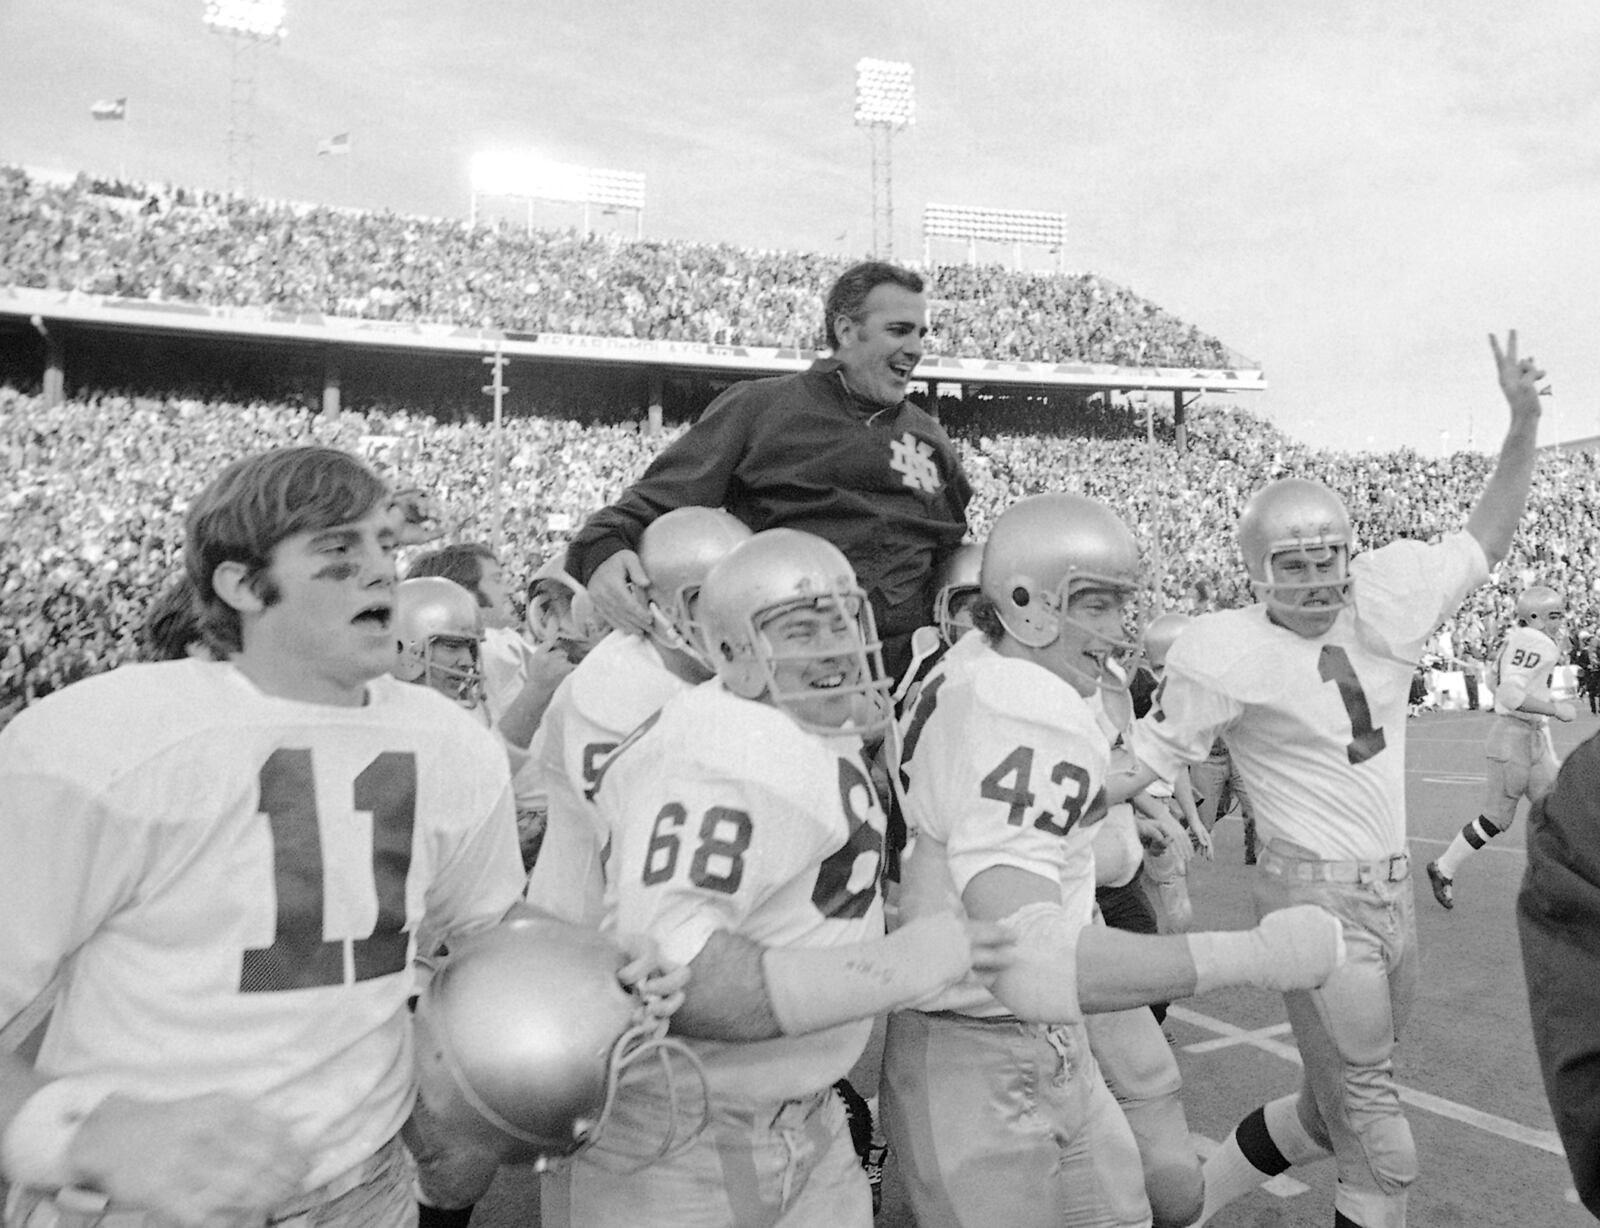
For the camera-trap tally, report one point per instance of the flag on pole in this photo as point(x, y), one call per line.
point(110, 108)
point(339, 144)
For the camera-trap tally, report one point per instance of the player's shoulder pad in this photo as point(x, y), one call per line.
point(1006, 689)
point(713, 734)
point(1543, 643)
point(1231, 652)
point(120, 716)
point(621, 682)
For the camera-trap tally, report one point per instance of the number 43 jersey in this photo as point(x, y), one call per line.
point(726, 815)
point(237, 879)
point(1316, 726)
point(1003, 764)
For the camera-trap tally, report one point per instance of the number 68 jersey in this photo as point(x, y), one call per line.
point(726, 815)
point(1316, 726)
point(238, 879)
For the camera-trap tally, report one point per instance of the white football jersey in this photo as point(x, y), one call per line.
point(1003, 764)
point(1316, 726)
point(603, 700)
point(1523, 668)
point(241, 878)
point(503, 657)
point(726, 815)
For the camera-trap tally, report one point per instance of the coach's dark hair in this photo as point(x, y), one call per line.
point(462, 563)
point(254, 504)
point(848, 295)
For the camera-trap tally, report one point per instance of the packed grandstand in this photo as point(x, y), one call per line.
point(96, 484)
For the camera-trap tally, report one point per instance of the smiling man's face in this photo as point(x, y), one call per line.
point(878, 352)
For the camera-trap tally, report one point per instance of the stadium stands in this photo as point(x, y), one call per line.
point(174, 245)
point(95, 490)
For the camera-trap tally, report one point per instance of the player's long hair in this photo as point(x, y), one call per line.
point(254, 504)
point(462, 562)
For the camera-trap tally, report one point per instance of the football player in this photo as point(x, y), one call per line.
point(235, 856)
point(747, 840)
point(1310, 686)
point(1521, 760)
point(505, 662)
point(439, 630)
point(561, 614)
point(626, 678)
point(1003, 760)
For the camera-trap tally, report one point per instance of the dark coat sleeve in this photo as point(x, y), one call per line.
point(1558, 921)
point(696, 470)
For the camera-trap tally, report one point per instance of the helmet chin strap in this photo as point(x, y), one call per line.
point(666, 634)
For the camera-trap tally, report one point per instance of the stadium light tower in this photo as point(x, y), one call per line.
point(246, 24)
point(885, 103)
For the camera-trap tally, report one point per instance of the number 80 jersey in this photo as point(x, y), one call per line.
point(726, 815)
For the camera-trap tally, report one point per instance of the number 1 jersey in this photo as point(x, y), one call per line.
point(1316, 726)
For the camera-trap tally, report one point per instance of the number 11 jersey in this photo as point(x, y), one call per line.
point(237, 879)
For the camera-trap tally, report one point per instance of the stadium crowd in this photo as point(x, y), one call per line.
point(96, 488)
point(176, 245)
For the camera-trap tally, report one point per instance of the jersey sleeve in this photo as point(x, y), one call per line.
point(1034, 774)
point(480, 875)
point(70, 862)
point(1183, 722)
point(695, 470)
point(1406, 589)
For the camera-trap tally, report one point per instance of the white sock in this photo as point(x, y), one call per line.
point(1464, 845)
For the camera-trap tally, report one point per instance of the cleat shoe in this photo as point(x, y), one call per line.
point(1444, 889)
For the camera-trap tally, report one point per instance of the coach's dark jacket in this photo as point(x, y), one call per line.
point(884, 484)
point(1558, 918)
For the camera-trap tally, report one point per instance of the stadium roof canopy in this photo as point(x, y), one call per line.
point(100, 312)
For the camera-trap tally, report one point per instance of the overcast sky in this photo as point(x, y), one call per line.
point(1352, 194)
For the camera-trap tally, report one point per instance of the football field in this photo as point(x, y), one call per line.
point(1488, 1152)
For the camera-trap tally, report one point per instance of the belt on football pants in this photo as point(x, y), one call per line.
point(1392, 869)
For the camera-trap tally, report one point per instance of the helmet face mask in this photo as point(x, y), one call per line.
point(439, 629)
point(786, 623)
point(452, 666)
point(1296, 539)
point(958, 589)
point(524, 1034)
point(1091, 629)
point(1048, 552)
point(560, 612)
